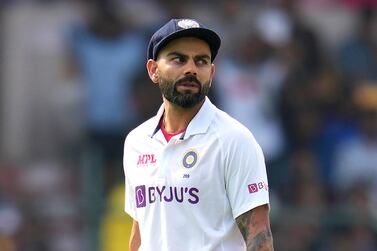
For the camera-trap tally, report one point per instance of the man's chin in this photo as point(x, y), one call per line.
point(186, 102)
point(189, 93)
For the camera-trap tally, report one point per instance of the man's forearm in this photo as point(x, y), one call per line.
point(135, 239)
point(255, 228)
point(262, 241)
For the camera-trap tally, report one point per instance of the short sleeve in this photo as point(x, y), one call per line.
point(246, 176)
point(129, 200)
point(129, 206)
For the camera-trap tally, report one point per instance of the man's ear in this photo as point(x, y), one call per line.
point(152, 70)
point(213, 68)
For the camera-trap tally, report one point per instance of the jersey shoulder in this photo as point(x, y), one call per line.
point(229, 127)
point(232, 134)
point(143, 130)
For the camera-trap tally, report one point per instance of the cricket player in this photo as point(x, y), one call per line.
point(195, 177)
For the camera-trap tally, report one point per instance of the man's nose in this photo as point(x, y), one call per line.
point(191, 68)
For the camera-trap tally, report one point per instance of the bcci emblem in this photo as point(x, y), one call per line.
point(189, 159)
point(188, 23)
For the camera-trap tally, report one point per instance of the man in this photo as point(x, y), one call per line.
point(195, 177)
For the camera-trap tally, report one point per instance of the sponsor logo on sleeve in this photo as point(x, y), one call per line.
point(256, 187)
point(253, 188)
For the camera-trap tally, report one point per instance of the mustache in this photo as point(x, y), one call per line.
point(188, 78)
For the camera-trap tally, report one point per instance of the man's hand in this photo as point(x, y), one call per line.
point(255, 229)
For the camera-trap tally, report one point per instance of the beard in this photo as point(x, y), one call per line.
point(169, 90)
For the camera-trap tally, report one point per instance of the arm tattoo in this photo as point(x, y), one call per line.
point(257, 238)
point(260, 242)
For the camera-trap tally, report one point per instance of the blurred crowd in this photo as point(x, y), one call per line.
point(301, 75)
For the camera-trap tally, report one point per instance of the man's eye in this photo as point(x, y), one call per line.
point(202, 61)
point(178, 59)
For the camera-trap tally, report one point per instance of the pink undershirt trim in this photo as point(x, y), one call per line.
point(166, 134)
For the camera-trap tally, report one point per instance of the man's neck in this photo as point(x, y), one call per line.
point(176, 118)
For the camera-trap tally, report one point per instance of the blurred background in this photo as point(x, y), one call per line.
point(302, 75)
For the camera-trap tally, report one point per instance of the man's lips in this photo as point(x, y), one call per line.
point(189, 85)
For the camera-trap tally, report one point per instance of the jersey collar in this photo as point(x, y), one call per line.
point(199, 124)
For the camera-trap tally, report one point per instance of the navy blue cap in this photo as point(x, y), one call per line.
point(177, 28)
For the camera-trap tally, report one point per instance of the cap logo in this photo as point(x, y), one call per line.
point(188, 23)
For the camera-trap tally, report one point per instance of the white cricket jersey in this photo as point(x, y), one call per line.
point(186, 194)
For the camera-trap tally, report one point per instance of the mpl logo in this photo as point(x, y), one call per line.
point(146, 159)
point(255, 187)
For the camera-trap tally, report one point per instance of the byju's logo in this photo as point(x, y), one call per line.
point(255, 187)
point(140, 196)
point(165, 194)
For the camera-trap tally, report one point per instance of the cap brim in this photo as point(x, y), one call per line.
point(209, 36)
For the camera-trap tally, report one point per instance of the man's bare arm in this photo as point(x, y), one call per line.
point(135, 240)
point(255, 229)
